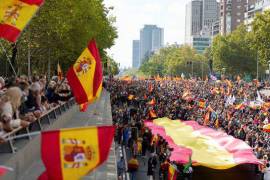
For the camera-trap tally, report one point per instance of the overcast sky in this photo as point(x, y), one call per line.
point(131, 15)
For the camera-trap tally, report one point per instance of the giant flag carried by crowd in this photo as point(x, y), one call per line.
point(14, 16)
point(73, 153)
point(85, 76)
point(208, 147)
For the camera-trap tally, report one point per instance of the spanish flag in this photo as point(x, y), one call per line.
point(172, 173)
point(85, 77)
point(208, 147)
point(59, 72)
point(202, 104)
point(74, 153)
point(152, 114)
point(152, 102)
point(83, 107)
point(14, 16)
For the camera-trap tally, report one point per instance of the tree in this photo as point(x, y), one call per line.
point(234, 52)
point(61, 30)
point(261, 33)
point(173, 61)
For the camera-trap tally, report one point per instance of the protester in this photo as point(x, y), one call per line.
point(120, 168)
point(235, 107)
point(23, 100)
point(133, 165)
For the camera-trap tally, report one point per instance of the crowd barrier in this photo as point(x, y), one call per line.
point(40, 124)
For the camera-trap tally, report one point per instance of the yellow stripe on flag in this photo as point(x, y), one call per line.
point(87, 159)
point(16, 13)
point(205, 150)
point(85, 68)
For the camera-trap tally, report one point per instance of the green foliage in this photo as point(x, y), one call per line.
point(61, 30)
point(261, 33)
point(173, 61)
point(112, 67)
point(234, 52)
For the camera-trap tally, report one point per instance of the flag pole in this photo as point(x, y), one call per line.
point(8, 59)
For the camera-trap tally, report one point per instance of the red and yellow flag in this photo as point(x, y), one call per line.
point(85, 77)
point(208, 147)
point(152, 102)
point(131, 97)
point(14, 16)
point(172, 173)
point(152, 114)
point(59, 72)
point(83, 107)
point(202, 104)
point(73, 153)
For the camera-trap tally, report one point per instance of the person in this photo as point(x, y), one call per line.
point(133, 165)
point(9, 109)
point(120, 168)
point(152, 163)
point(266, 174)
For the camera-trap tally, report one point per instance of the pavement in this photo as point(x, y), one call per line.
point(99, 114)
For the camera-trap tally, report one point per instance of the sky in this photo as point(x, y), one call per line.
point(131, 15)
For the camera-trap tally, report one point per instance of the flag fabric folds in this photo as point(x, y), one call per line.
point(73, 153)
point(172, 173)
point(85, 77)
point(14, 16)
point(208, 147)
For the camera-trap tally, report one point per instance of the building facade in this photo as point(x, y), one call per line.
point(200, 43)
point(254, 7)
point(136, 53)
point(232, 14)
point(210, 14)
point(193, 19)
point(151, 40)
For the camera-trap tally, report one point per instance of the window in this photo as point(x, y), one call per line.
point(238, 20)
point(238, 14)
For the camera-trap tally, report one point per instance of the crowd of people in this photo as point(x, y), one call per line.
point(23, 100)
point(233, 106)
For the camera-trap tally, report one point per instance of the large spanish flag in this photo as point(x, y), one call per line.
point(14, 16)
point(208, 147)
point(73, 153)
point(85, 76)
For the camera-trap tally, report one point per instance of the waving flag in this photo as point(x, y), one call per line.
point(85, 77)
point(208, 147)
point(14, 16)
point(73, 153)
point(172, 173)
point(59, 72)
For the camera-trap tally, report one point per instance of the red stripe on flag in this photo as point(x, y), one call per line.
point(50, 154)
point(98, 70)
point(105, 137)
point(9, 33)
point(74, 82)
point(34, 2)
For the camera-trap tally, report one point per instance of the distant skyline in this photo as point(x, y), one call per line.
point(131, 16)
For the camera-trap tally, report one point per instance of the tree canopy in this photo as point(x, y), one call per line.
point(61, 30)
